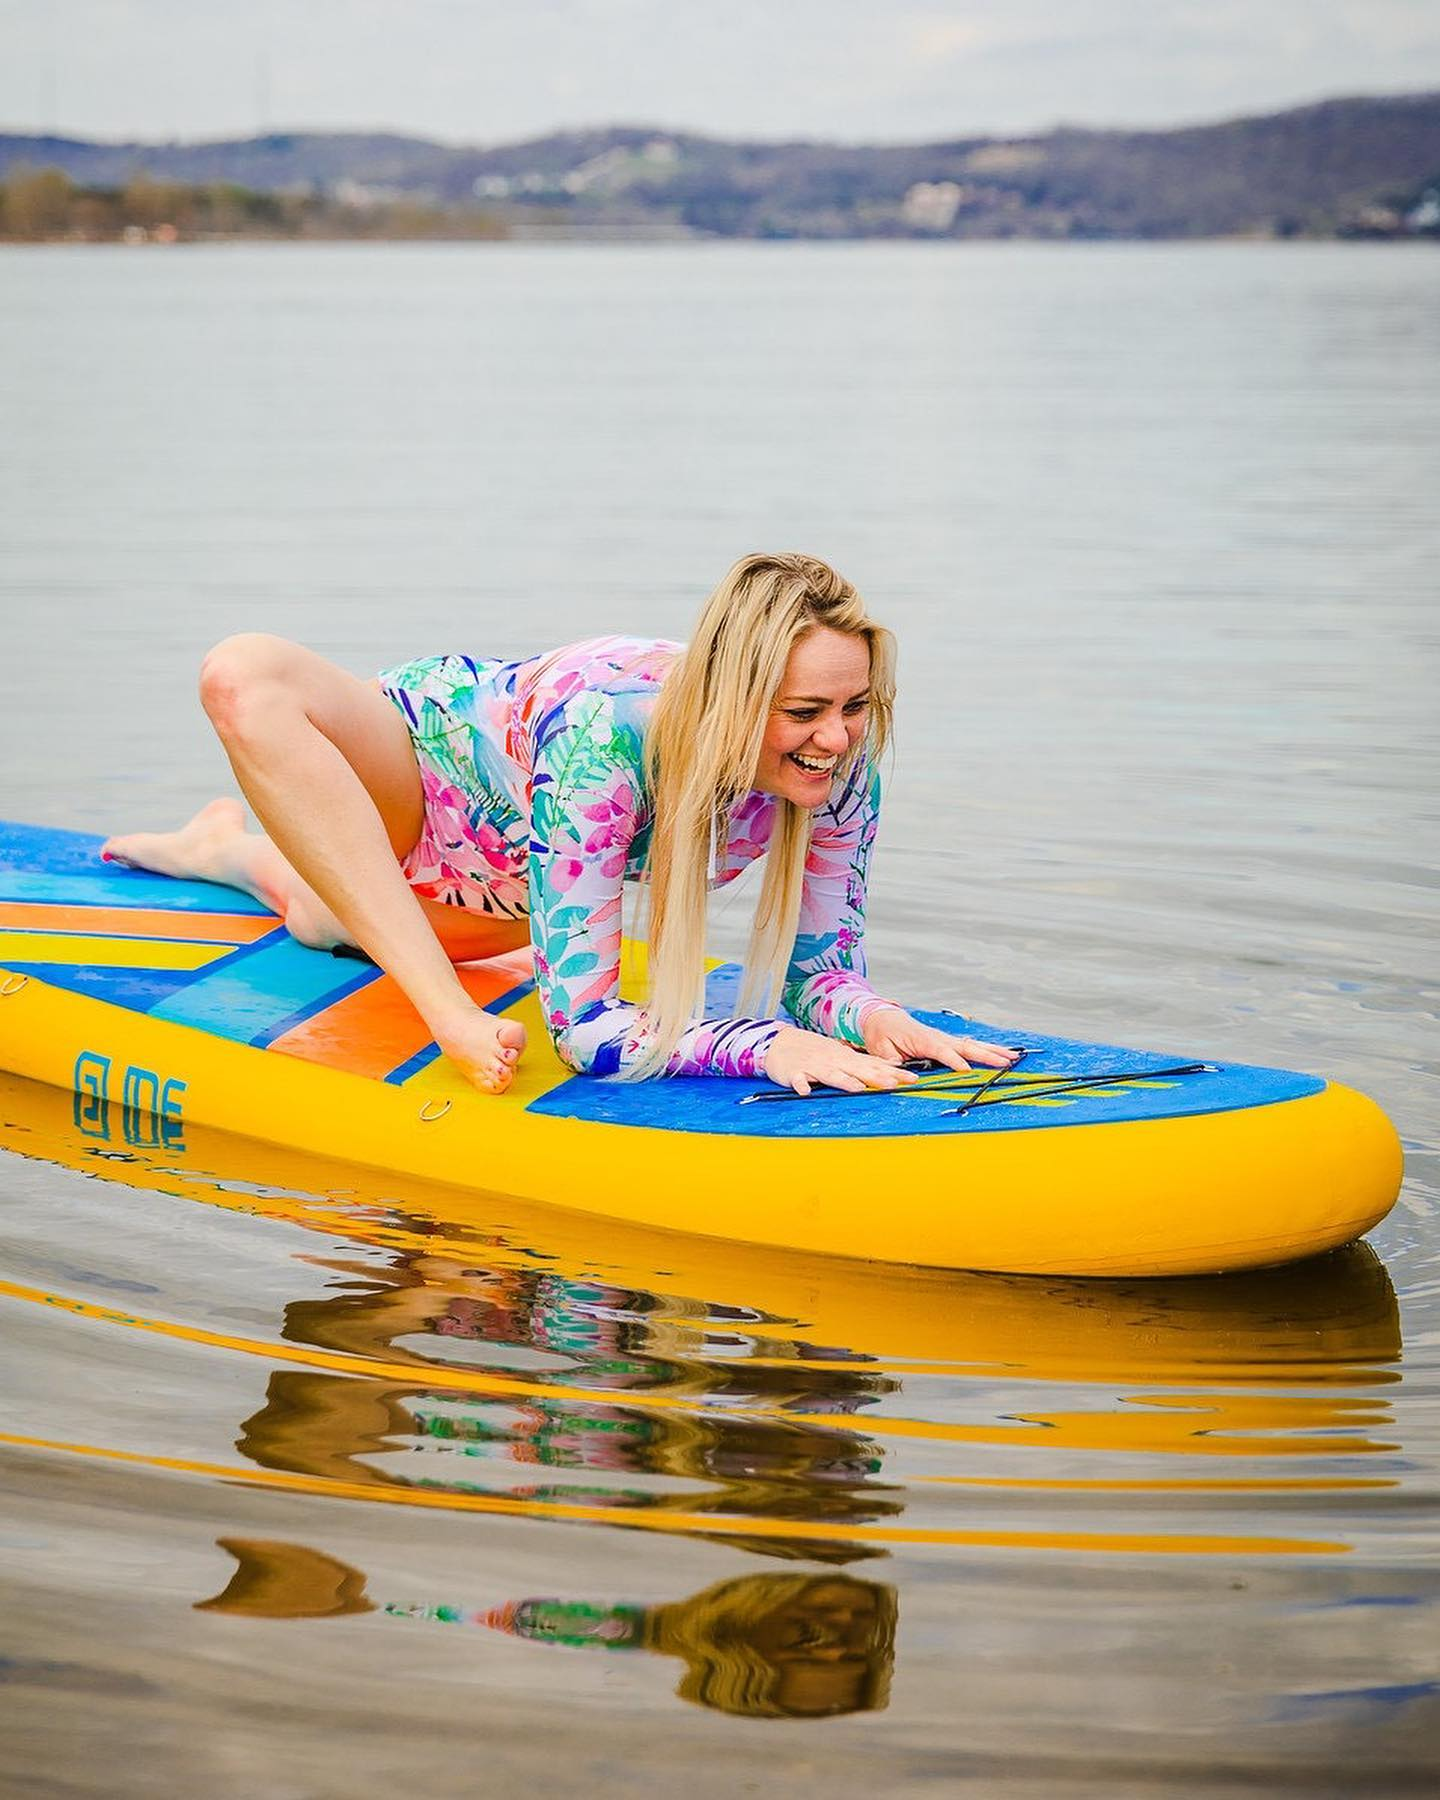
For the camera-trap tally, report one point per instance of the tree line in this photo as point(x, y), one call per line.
point(43, 205)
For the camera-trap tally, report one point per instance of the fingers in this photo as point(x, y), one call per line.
point(835, 1078)
point(804, 1060)
point(993, 1056)
point(936, 1047)
point(961, 1054)
point(853, 1076)
point(877, 1073)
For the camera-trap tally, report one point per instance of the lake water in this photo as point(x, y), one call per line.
point(317, 1484)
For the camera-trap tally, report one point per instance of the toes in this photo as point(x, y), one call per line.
point(499, 1075)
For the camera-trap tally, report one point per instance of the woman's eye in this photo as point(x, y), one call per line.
point(857, 706)
point(801, 718)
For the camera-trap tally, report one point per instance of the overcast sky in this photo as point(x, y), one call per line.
point(859, 70)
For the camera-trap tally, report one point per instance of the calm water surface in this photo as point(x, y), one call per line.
point(316, 1483)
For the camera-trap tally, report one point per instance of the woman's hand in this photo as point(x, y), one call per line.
point(799, 1059)
point(893, 1036)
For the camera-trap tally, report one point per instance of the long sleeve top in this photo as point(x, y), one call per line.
point(534, 777)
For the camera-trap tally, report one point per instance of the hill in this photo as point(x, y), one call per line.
point(1347, 166)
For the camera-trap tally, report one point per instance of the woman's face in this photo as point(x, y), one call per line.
point(819, 712)
point(821, 1647)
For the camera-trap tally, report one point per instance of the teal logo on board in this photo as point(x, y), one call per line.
point(151, 1106)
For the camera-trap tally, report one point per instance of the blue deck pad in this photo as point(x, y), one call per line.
point(264, 990)
point(63, 868)
point(711, 1105)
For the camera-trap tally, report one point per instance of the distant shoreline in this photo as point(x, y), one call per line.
point(42, 206)
point(1355, 169)
point(641, 241)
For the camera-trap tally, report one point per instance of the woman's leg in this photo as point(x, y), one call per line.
point(328, 768)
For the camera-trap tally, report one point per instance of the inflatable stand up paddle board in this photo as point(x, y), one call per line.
point(163, 1004)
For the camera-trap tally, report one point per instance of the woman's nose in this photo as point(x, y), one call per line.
point(831, 735)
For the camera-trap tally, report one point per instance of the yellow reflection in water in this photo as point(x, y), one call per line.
point(550, 1365)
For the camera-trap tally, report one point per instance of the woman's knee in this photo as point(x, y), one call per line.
point(245, 675)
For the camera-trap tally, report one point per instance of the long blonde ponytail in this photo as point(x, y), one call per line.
point(701, 751)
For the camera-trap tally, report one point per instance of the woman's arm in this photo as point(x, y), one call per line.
point(585, 812)
point(826, 989)
point(825, 986)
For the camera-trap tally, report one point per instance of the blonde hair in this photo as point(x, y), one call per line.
point(701, 751)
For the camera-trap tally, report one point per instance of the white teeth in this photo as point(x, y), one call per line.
point(816, 765)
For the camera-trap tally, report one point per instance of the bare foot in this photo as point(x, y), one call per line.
point(196, 852)
point(484, 1049)
point(215, 846)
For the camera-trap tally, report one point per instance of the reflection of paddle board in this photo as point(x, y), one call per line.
point(163, 1003)
point(738, 1371)
point(1333, 1321)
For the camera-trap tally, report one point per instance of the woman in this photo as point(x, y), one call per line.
point(450, 809)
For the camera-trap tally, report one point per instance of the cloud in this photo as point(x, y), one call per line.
point(937, 38)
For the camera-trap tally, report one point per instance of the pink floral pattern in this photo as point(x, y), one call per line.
point(535, 802)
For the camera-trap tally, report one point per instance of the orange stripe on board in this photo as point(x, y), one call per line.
point(138, 922)
point(375, 1029)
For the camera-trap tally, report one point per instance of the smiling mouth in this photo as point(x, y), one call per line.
point(813, 765)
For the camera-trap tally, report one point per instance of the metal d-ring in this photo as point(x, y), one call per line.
point(12, 984)
point(427, 1117)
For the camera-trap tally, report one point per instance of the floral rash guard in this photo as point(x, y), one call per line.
point(535, 803)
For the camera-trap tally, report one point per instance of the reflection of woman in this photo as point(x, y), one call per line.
point(766, 1646)
point(783, 1646)
point(454, 808)
point(349, 1427)
point(761, 1646)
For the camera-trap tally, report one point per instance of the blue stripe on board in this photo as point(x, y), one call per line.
point(423, 1058)
point(261, 986)
point(503, 1002)
point(127, 888)
point(412, 1065)
point(362, 978)
point(137, 990)
point(63, 868)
